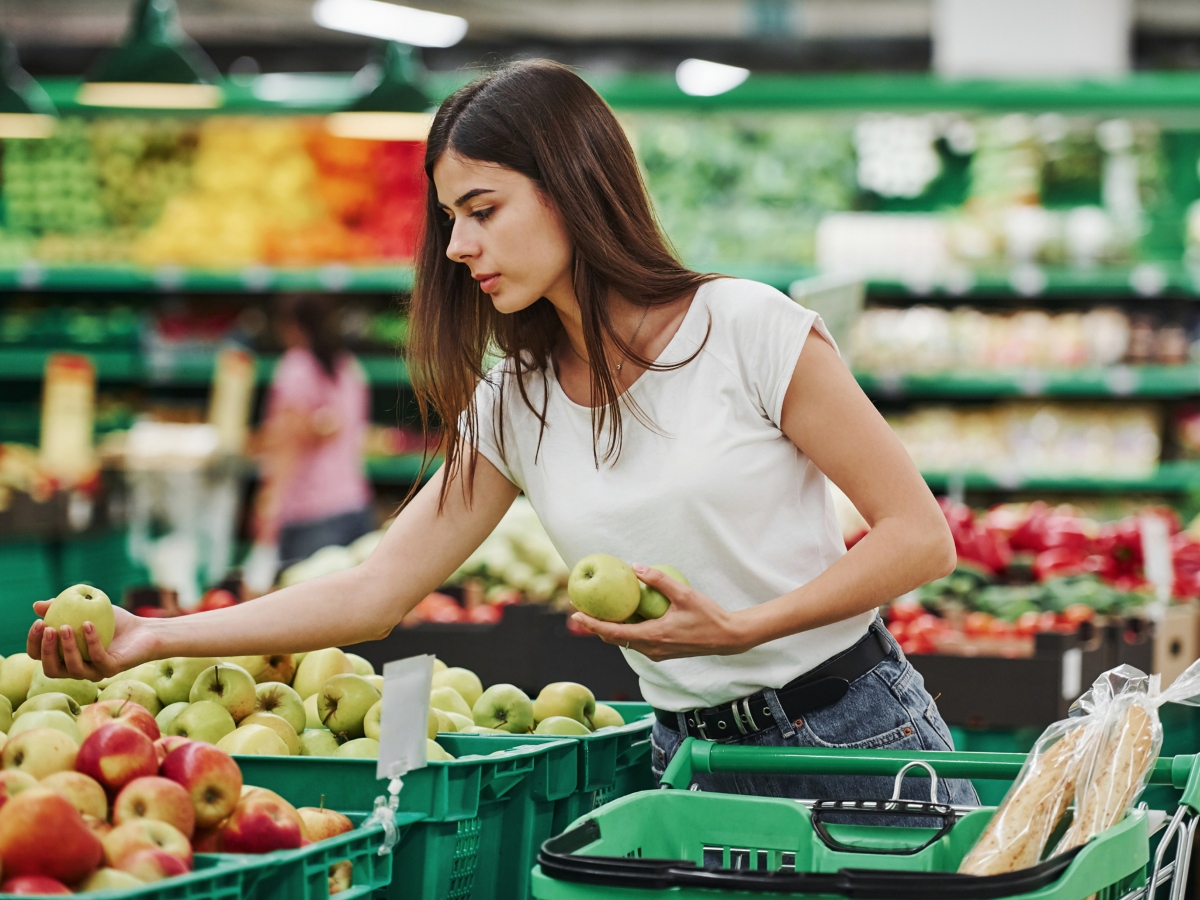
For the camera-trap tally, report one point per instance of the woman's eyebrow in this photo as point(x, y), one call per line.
point(474, 192)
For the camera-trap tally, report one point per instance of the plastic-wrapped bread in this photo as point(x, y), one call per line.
point(1117, 774)
point(1017, 833)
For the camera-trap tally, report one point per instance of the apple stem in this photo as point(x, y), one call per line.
point(322, 801)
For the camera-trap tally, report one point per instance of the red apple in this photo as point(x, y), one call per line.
point(260, 823)
point(33, 884)
point(167, 743)
point(100, 827)
point(123, 712)
point(12, 782)
point(207, 840)
point(145, 834)
point(320, 823)
point(115, 755)
point(217, 598)
point(154, 797)
point(41, 833)
point(153, 865)
point(84, 792)
point(341, 876)
point(210, 776)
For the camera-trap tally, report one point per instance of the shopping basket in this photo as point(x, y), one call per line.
point(688, 843)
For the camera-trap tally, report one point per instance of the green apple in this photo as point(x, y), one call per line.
point(82, 692)
point(361, 666)
point(464, 681)
point(280, 667)
point(479, 729)
point(461, 723)
point(604, 587)
point(47, 718)
point(449, 700)
point(376, 682)
point(606, 717)
point(565, 698)
point(281, 700)
point(371, 722)
point(6, 714)
point(137, 691)
point(312, 718)
point(147, 672)
point(435, 752)
point(444, 724)
point(174, 677)
point(506, 707)
point(317, 742)
point(343, 702)
point(298, 658)
point(230, 686)
point(359, 748)
point(561, 725)
point(16, 674)
point(204, 720)
point(253, 740)
point(634, 619)
point(317, 668)
point(168, 714)
point(432, 730)
point(108, 879)
point(653, 603)
point(277, 724)
point(78, 604)
point(53, 700)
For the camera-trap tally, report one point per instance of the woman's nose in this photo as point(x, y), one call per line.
point(459, 249)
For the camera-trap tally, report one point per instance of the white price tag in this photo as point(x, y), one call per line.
point(404, 719)
point(1160, 567)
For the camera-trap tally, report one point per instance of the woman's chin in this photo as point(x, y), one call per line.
point(508, 302)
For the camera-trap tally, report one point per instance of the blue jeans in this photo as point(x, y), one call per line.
point(888, 708)
point(300, 540)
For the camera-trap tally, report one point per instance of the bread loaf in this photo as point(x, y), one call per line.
point(1018, 832)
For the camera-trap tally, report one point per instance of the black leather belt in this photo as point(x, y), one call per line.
point(823, 686)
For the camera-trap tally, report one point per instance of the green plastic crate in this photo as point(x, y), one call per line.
point(217, 876)
point(26, 575)
point(740, 840)
point(454, 852)
point(609, 761)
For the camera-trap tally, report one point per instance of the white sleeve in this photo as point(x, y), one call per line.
point(488, 412)
point(772, 329)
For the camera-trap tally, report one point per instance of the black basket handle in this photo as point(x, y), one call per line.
point(895, 808)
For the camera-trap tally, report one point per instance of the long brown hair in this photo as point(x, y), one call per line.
point(542, 120)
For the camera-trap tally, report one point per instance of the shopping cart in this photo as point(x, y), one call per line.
point(687, 843)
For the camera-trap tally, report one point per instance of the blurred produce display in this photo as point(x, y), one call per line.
point(930, 339)
point(1025, 568)
point(517, 555)
point(1033, 439)
point(223, 192)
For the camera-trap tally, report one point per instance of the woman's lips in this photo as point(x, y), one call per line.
point(487, 285)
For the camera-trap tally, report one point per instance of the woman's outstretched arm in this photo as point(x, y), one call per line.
point(420, 550)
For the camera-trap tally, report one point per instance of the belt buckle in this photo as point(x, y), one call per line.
point(743, 719)
point(697, 721)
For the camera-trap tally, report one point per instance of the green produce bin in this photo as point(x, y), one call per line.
point(26, 575)
point(457, 850)
point(215, 876)
point(612, 762)
point(682, 844)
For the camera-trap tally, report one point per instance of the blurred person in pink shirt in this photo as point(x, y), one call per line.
point(314, 491)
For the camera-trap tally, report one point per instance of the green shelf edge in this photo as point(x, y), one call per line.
point(1170, 477)
point(1115, 381)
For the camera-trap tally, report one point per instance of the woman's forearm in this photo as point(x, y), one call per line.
point(335, 610)
point(896, 556)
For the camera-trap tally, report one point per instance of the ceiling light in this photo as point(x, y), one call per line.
point(390, 22)
point(157, 66)
point(396, 109)
point(702, 78)
point(25, 109)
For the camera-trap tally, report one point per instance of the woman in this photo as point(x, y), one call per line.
point(649, 412)
point(314, 492)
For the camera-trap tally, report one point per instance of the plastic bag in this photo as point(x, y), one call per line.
point(1100, 758)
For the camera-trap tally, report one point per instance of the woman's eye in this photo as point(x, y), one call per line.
point(482, 214)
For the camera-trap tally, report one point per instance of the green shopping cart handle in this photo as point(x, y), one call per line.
point(696, 756)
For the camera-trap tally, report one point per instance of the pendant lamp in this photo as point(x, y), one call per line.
point(396, 109)
point(157, 66)
point(25, 109)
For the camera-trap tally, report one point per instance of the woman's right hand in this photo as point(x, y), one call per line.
point(133, 642)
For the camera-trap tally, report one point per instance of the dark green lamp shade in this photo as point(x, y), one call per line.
point(398, 89)
point(156, 50)
point(20, 94)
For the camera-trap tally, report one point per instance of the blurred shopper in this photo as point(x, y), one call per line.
point(647, 411)
point(314, 490)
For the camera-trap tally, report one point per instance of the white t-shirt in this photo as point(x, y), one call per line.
point(718, 491)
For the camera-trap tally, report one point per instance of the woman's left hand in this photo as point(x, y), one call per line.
point(695, 625)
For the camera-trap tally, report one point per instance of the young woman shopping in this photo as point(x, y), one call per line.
point(649, 412)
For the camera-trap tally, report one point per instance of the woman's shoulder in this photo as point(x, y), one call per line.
point(740, 298)
point(743, 314)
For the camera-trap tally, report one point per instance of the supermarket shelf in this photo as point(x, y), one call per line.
point(252, 279)
point(1170, 477)
point(29, 363)
point(1114, 381)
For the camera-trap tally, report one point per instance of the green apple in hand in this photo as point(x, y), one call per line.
point(318, 742)
point(78, 604)
point(604, 587)
point(343, 702)
point(281, 700)
point(565, 698)
point(506, 707)
point(605, 717)
point(561, 725)
point(174, 677)
point(464, 681)
point(228, 685)
point(653, 603)
point(204, 720)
